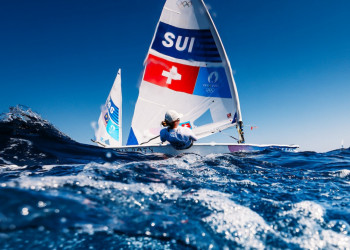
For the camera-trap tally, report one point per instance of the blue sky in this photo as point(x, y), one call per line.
point(291, 63)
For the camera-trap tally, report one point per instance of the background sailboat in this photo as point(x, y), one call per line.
point(109, 132)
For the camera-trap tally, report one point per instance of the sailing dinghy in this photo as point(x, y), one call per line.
point(109, 132)
point(187, 70)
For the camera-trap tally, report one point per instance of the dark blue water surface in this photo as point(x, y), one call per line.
point(56, 193)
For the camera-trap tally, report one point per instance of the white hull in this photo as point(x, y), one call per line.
point(205, 148)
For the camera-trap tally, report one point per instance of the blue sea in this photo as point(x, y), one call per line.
point(56, 193)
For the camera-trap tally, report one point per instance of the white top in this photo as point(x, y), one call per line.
point(179, 138)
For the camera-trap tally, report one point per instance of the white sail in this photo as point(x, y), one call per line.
point(109, 132)
point(186, 70)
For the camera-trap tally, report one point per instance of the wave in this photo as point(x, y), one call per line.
point(27, 139)
point(58, 193)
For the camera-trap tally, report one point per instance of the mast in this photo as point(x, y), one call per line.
point(233, 86)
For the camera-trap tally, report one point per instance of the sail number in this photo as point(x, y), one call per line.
point(182, 43)
point(187, 44)
point(111, 109)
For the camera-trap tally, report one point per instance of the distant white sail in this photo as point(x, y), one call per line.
point(186, 70)
point(109, 132)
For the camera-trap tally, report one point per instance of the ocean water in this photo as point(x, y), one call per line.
point(56, 193)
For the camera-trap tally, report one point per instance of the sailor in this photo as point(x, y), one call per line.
point(179, 137)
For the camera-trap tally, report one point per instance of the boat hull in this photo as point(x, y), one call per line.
point(205, 148)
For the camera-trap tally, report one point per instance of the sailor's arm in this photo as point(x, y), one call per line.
point(162, 136)
point(192, 135)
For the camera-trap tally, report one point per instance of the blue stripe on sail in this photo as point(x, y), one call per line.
point(234, 118)
point(212, 82)
point(132, 140)
point(113, 111)
point(113, 130)
point(194, 45)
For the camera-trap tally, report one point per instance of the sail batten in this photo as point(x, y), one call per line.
point(187, 70)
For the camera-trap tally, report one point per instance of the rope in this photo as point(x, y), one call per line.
point(230, 136)
point(99, 143)
point(150, 140)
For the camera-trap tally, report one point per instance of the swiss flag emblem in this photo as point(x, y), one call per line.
point(175, 76)
point(186, 125)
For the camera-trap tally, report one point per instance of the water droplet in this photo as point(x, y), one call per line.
point(41, 204)
point(25, 211)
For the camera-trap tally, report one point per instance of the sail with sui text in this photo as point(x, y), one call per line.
point(187, 70)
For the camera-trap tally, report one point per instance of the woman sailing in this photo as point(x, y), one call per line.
point(179, 137)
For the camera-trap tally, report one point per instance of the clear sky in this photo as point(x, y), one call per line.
point(291, 63)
